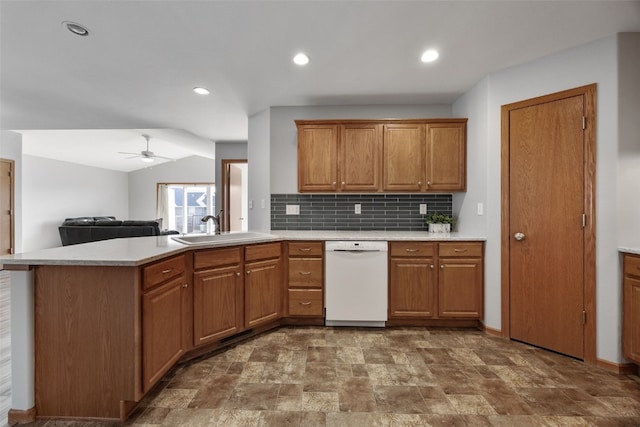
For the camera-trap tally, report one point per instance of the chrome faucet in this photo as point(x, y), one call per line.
point(216, 221)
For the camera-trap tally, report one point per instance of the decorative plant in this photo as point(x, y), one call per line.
point(439, 218)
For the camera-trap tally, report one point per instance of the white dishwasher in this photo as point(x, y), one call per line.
point(356, 283)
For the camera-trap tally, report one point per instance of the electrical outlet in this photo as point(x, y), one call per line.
point(423, 208)
point(293, 209)
point(250, 204)
point(358, 209)
point(480, 209)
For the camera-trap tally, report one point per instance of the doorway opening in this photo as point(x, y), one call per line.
point(235, 195)
point(548, 238)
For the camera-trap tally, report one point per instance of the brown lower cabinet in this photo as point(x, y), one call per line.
point(631, 319)
point(105, 336)
point(429, 280)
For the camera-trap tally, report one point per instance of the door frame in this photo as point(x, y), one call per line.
point(589, 165)
point(226, 163)
point(12, 221)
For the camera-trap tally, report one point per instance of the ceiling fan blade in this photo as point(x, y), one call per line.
point(126, 152)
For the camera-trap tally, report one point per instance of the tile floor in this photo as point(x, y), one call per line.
point(314, 376)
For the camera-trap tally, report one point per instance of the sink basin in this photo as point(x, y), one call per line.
point(204, 239)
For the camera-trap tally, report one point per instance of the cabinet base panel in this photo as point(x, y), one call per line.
point(444, 323)
point(298, 321)
point(17, 416)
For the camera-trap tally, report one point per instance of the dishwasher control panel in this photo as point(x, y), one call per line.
point(356, 245)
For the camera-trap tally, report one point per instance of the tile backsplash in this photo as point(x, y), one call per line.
point(337, 211)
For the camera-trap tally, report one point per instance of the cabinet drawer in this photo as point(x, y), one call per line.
point(162, 271)
point(305, 249)
point(632, 265)
point(412, 249)
point(461, 249)
point(305, 302)
point(305, 272)
point(266, 251)
point(217, 258)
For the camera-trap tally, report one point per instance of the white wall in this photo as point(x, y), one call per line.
point(11, 149)
point(53, 190)
point(142, 183)
point(226, 151)
point(628, 206)
point(591, 63)
point(259, 158)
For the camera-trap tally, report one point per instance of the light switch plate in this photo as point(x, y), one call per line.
point(293, 209)
point(423, 208)
point(358, 208)
point(480, 209)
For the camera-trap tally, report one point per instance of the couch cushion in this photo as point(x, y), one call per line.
point(87, 220)
point(109, 222)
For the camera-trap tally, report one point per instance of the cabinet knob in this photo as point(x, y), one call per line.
point(428, 183)
point(237, 274)
point(333, 184)
point(248, 271)
point(419, 183)
point(519, 236)
point(343, 184)
point(441, 265)
point(431, 266)
point(186, 285)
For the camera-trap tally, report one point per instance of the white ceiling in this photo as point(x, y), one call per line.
point(137, 68)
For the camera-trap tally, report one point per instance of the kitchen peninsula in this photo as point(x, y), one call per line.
point(107, 320)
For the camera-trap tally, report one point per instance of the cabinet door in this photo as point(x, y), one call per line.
point(446, 157)
point(460, 293)
point(403, 157)
point(218, 304)
point(317, 157)
point(411, 288)
point(162, 325)
point(360, 152)
point(263, 292)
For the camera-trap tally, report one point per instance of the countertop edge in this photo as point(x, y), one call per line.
point(628, 250)
point(137, 251)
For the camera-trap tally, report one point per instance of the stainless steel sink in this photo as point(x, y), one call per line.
point(204, 239)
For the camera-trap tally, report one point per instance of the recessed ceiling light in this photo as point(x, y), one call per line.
point(201, 90)
point(301, 59)
point(429, 55)
point(75, 28)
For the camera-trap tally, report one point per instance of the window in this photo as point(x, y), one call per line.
point(182, 206)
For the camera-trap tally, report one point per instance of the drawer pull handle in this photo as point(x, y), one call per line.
point(304, 273)
point(412, 250)
point(459, 250)
point(304, 249)
point(305, 303)
point(167, 271)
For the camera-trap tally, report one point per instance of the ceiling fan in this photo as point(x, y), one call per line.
point(145, 155)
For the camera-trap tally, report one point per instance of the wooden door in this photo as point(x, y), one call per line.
point(6, 207)
point(317, 157)
point(162, 330)
point(412, 288)
point(218, 304)
point(263, 292)
point(631, 300)
point(546, 224)
point(446, 157)
point(403, 157)
point(460, 288)
point(360, 147)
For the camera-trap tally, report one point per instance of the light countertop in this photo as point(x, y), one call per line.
point(629, 250)
point(136, 251)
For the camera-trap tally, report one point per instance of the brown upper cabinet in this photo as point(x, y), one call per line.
point(413, 155)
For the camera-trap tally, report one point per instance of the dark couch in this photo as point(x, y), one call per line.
point(89, 229)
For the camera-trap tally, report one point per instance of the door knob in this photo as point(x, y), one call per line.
point(519, 236)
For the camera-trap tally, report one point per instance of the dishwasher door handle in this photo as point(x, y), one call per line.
point(356, 251)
